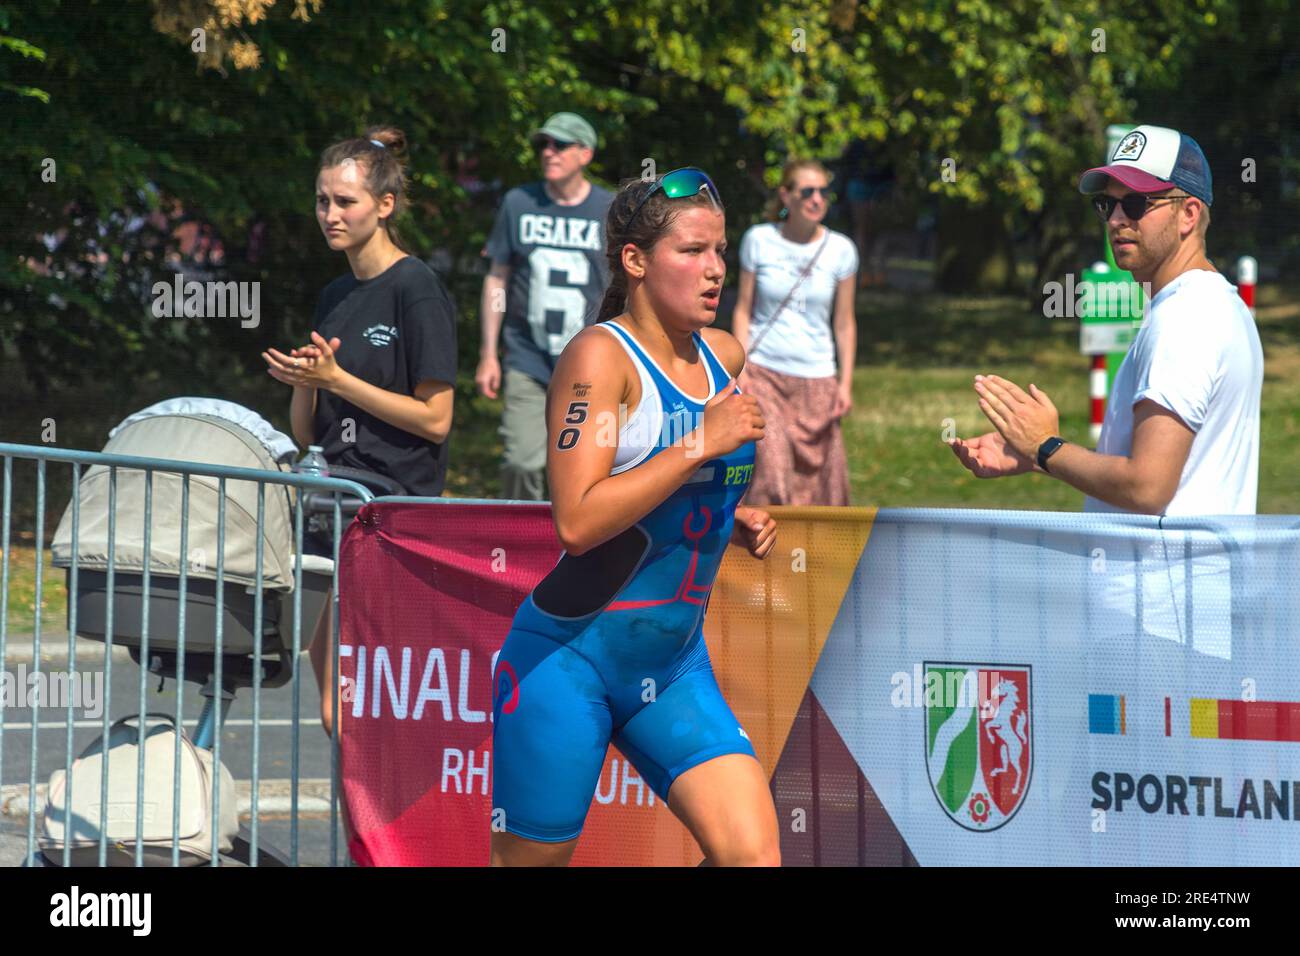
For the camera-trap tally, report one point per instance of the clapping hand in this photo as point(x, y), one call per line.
point(311, 366)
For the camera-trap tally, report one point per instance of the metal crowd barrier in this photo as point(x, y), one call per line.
point(219, 702)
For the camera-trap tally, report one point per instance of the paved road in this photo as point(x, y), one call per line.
point(276, 745)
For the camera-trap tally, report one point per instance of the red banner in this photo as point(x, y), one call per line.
point(441, 584)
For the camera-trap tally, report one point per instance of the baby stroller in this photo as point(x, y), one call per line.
point(217, 433)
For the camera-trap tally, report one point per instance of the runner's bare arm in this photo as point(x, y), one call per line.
point(589, 505)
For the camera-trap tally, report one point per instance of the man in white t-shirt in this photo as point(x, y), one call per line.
point(1181, 433)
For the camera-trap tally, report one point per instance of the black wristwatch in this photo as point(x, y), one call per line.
point(1047, 449)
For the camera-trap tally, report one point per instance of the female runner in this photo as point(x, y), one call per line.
point(610, 645)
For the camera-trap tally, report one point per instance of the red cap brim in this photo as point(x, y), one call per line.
point(1094, 180)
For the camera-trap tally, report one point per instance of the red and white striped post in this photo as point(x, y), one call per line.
point(1097, 392)
point(1247, 274)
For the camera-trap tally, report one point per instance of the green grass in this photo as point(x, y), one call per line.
point(22, 591)
point(917, 358)
point(914, 378)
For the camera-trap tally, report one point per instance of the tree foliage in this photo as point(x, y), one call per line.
point(138, 129)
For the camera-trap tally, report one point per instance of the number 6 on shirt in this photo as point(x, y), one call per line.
point(544, 297)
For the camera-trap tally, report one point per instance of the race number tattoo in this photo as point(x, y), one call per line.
point(576, 415)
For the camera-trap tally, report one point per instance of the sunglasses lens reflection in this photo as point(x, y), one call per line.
point(689, 182)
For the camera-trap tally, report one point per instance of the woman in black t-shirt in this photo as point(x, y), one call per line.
point(374, 386)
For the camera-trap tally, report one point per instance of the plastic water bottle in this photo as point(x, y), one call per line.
point(313, 463)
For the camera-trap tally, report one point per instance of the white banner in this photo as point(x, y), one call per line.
point(1021, 688)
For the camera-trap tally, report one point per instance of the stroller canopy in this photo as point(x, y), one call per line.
point(188, 438)
point(279, 444)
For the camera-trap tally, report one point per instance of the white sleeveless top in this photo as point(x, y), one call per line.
point(642, 429)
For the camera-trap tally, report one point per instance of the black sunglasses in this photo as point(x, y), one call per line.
point(1135, 205)
point(807, 191)
point(560, 145)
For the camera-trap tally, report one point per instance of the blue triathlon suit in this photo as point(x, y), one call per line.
point(610, 644)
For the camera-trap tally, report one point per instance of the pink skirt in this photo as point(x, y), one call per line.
point(801, 459)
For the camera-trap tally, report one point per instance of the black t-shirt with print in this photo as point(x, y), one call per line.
point(395, 330)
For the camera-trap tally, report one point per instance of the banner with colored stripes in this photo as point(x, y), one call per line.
point(926, 687)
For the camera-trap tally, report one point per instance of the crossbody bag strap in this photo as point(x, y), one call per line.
point(807, 271)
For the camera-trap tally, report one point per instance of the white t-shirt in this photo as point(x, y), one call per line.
point(800, 343)
point(1198, 355)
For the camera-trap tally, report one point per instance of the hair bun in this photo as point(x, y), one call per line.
point(391, 138)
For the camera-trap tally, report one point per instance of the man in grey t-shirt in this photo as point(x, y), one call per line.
point(546, 281)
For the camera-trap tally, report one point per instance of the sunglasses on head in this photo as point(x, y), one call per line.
point(823, 191)
point(681, 184)
point(1135, 205)
point(560, 145)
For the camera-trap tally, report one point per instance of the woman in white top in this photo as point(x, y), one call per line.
point(797, 282)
